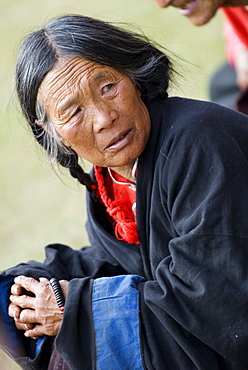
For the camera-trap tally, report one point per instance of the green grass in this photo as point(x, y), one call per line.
point(38, 207)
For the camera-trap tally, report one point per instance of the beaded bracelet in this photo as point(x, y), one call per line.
point(58, 294)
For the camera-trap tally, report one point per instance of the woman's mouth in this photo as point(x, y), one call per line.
point(120, 141)
point(188, 8)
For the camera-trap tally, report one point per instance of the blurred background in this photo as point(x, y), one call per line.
point(39, 206)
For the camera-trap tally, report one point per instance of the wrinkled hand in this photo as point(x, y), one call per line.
point(34, 307)
point(241, 66)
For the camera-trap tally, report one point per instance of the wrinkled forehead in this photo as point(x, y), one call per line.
point(68, 72)
point(65, 73)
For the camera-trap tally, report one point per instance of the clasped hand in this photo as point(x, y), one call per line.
point(34, 308)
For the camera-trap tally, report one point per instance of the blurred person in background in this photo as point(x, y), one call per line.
point(200, 12)
point(229, 85)
point(165, 283)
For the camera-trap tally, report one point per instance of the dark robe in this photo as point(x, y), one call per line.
point(180, 299)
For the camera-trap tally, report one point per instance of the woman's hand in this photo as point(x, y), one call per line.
point(34, 307)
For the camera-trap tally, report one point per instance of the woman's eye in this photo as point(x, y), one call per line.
point(107, 87)
point(75, 115)
point(78, 110)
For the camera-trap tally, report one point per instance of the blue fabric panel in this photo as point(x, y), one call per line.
point(7, 327)
point(39, 343)
point(115, 305)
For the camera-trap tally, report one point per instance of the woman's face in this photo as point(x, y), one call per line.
point(198, 12)
point(97, 111)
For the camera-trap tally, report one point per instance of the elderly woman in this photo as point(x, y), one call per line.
point(165, 283)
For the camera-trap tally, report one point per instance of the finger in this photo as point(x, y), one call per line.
point(14, 311)
point(28, 317)
point(29, 326)
point(27, 320)
point(16, 290)
point(28, 283)
point(43, 280)
point(40, 329)
point(34, 333)
point(22, 301)
point(21, 326)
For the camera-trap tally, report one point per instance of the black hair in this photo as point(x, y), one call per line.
point(79, 36)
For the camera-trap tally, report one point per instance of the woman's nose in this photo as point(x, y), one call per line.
point(103, 119)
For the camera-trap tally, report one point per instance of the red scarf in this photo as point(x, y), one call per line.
point(118, 200)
